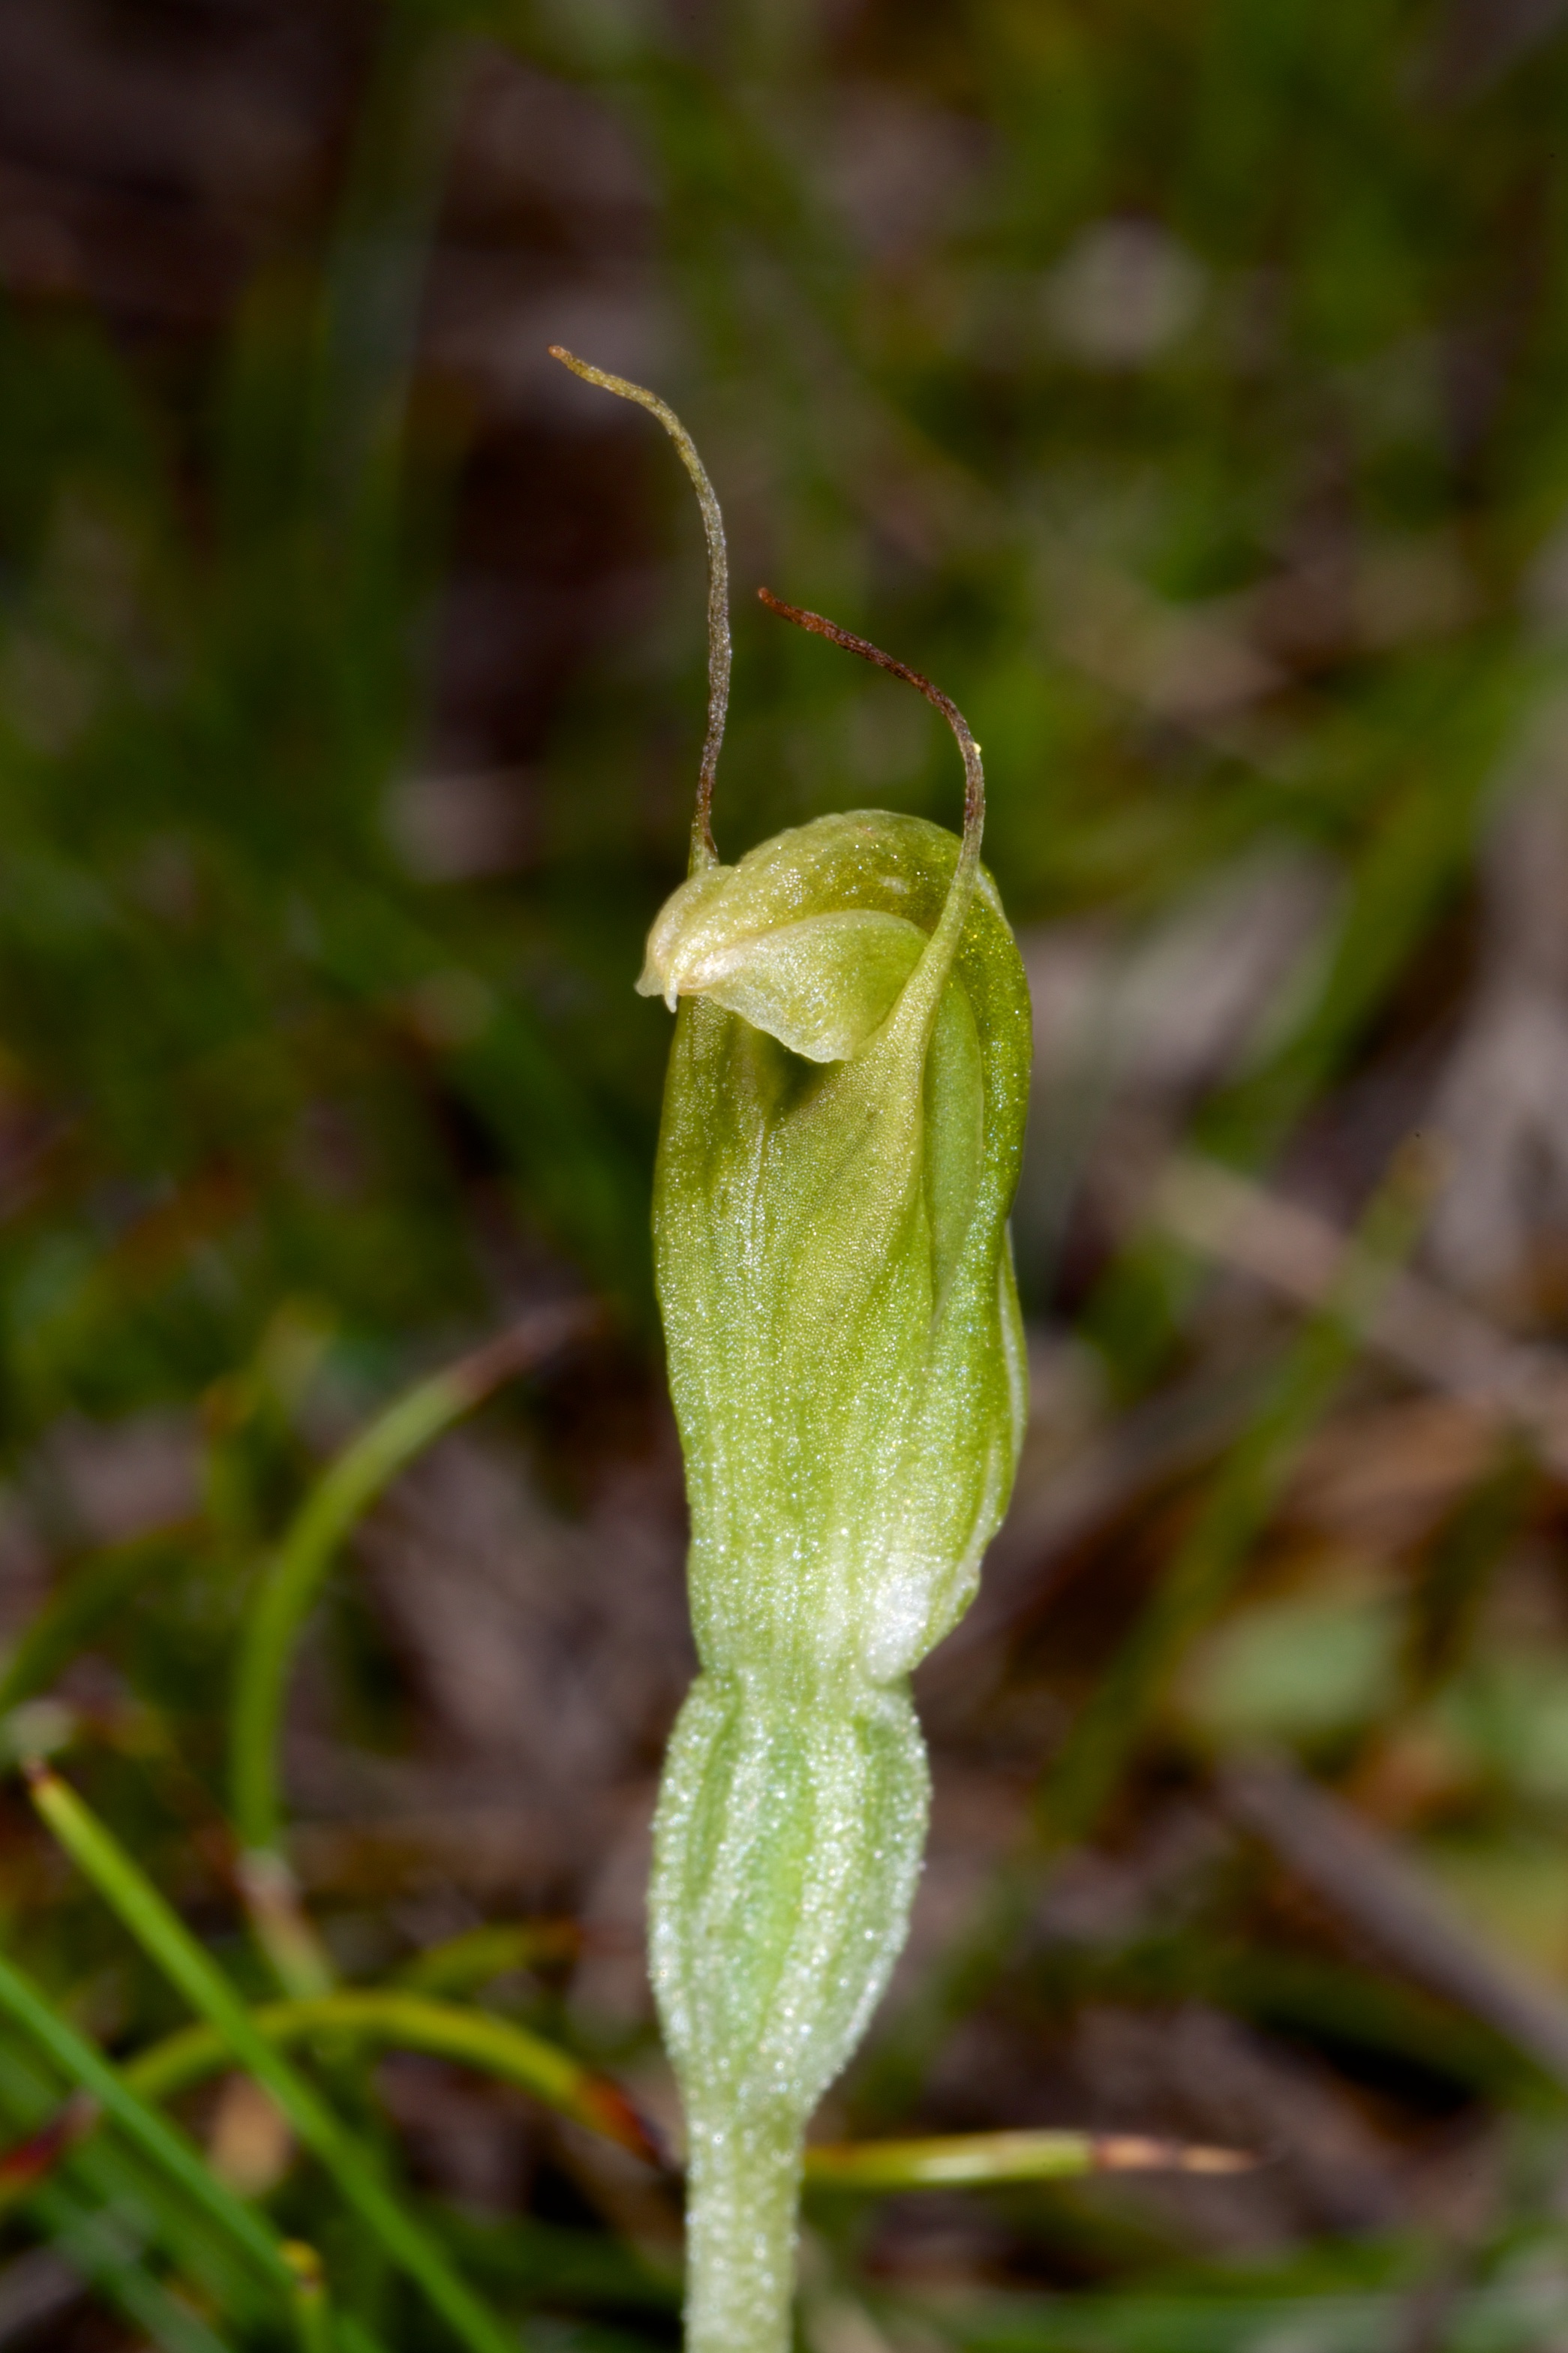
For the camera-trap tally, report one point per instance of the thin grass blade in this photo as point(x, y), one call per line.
point(157, 2138)
point(166, 1940)
point(345, 1490)
point(410, 2021)
point(974, 2160)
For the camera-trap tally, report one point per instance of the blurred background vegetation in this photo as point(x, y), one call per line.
point(1182, 384)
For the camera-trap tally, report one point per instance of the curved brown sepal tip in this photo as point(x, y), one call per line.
point(820, 625)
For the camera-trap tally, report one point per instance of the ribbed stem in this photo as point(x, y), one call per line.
point(743, 2198)
point(786, 1852)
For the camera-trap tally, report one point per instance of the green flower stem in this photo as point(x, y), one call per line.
point(786, 1850)
point(346, 1488)
point(166, 1940)
point(406, 2021)
point(743, 2199)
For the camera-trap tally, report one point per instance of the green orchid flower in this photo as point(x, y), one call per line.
point(843, 1125)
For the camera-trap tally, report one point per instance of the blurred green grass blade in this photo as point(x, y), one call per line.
point(522, 2258)
point(313, 454)
point(110, 2171)
point(1162, 2321)
point(1523, 2314)
point(1445, 752)
point(97, 2245)
point(313, 2306)
point(1467, 1552)
point(293, 1577)
point(972, 2160)
point(35, 2157)
point(93, 2235)
point(592, 1191)
point(1212, 1556)
point(71, 1616)
point(409, 2021)
point(281, 1926)
point(463, 1963)
point(86, 2067)
point(571, 1163)
point(166, 1940)
point(1347, 2007)
point(375, 281)
point(349, 2335)
point(1415, 859)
